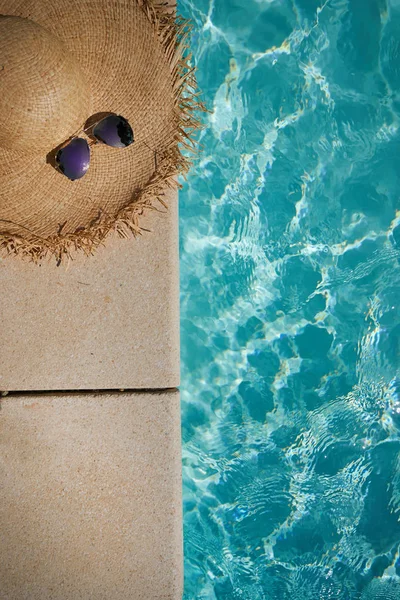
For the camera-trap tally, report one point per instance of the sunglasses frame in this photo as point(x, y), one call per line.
point(83, 129)
point(89, 142)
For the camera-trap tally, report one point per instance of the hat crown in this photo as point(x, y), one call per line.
point(44, 97)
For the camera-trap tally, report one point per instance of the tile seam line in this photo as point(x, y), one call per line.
point(96, 392)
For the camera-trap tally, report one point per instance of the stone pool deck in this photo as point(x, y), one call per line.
point(107, 322)
point(90, 494)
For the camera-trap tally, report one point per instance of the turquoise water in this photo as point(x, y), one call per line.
point(290, 287)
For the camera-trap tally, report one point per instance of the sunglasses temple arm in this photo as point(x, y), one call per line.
point(155, 154)
point(86, 128)
point(92, 125)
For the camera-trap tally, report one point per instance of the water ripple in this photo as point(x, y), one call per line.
point(290, 279)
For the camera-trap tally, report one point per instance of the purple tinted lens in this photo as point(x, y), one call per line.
point(73, 160)
point(115, 131)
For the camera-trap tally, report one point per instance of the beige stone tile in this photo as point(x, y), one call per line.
point(90, 497)
point(107, 322)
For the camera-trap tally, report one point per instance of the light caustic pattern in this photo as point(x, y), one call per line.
point(290, 289)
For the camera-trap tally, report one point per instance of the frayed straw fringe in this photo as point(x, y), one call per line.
point(173, 32)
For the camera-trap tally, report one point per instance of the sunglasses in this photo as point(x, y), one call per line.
point(73, 158)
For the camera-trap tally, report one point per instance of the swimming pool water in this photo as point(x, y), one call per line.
point(290, 313)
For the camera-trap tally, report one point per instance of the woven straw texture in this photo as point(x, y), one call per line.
point(64, 65)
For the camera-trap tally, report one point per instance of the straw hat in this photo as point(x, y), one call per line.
point(63, 67)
